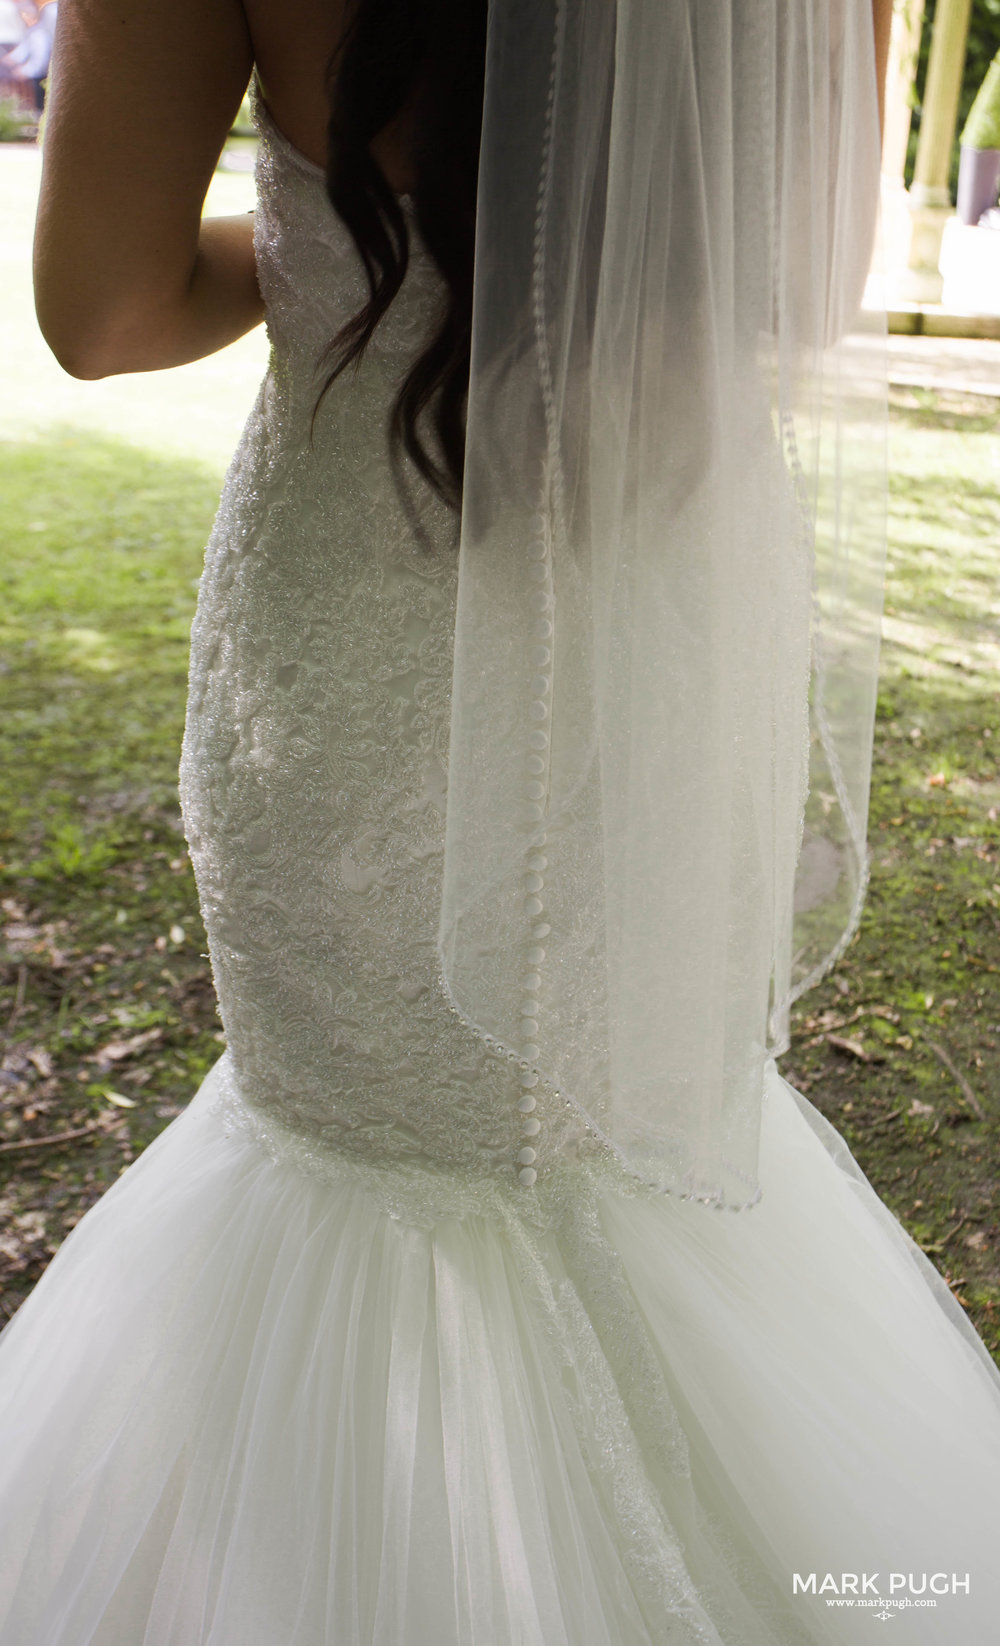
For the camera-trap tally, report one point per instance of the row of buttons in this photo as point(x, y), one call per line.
point(533, 883)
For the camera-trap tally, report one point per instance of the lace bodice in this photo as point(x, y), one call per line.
point(314, 764)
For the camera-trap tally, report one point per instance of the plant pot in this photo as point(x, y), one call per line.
point(978, 182)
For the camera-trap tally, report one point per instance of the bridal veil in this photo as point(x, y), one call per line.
point(670, 562)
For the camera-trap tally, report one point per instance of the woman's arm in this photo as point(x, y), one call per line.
point(127, 277)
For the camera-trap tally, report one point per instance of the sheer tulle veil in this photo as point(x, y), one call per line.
point(670, 563)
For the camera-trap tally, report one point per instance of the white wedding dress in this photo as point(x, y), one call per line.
point(336, 1363)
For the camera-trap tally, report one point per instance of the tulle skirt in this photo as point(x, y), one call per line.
point(247, 1406)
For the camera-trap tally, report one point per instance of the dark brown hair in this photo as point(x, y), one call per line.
point(424, 59)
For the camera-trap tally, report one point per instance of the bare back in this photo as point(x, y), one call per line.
point(292, 47)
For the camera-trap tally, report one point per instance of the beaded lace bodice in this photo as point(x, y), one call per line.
point(314, 765)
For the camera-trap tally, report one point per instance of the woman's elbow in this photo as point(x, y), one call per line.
point(79, 360)
point(88, 346)
point(95, 326)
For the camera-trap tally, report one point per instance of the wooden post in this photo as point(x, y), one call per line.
point(930, 201)
point(904, 50)
point(901, 74)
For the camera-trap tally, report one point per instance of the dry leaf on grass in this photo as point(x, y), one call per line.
point(116, 1051)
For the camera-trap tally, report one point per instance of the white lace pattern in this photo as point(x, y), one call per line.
point(313, 772)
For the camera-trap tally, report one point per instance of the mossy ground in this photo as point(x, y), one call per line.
point(110, 1015)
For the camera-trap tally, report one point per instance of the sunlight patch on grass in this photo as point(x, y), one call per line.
point(91, 649)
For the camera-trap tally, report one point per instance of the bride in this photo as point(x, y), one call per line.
point(494, 1289)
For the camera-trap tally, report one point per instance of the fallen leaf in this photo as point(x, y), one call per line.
point(18, 933)
point(921, 1109)
point(853, 1048)
point(120, 1101)
point(116, 1051)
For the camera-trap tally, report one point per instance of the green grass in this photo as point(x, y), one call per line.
point(101, 553)
point(109, 1006)
point(111, 1014)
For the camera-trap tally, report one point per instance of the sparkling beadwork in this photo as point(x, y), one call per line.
point(527, 1176)
point(527, 1103)
point(531, 1128)
point(527, 1156)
